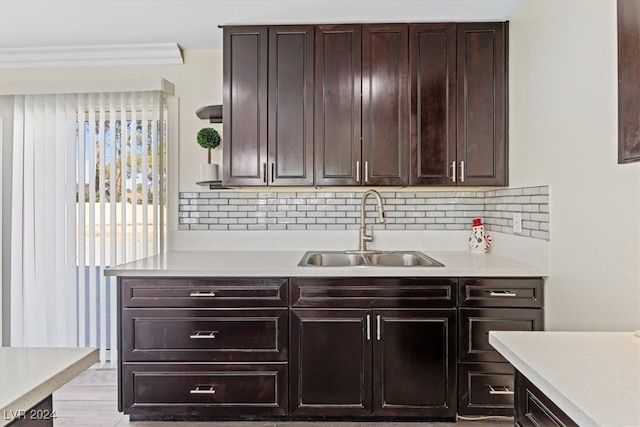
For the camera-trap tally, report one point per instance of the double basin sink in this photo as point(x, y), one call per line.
point(368, 259)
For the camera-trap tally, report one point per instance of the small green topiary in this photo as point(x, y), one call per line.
point(208, 138)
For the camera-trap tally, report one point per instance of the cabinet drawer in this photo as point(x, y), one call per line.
point(205, 389)
point(204, 335)
point(374, 292)
point(485, 389)
point(203, 292)
point(501, 292)
point(475, 325)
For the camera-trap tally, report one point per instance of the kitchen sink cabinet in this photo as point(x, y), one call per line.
point(268, 105)
point(361, 110)
point(310, 347)
point(485, 378)
point(371, 356)
point(203, 347)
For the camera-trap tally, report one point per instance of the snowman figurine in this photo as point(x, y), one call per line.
point(479, 241)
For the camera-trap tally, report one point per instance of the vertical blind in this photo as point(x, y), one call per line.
point(88, 191)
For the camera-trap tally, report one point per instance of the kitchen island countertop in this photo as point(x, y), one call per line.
point(285, 264)
point(29, 375)
point(594, 377)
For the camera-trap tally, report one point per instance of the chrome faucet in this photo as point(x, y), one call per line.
point(364, 237)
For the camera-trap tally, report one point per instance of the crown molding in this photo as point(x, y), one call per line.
point(91, 56)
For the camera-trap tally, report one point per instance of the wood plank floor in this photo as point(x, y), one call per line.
point(90, 400)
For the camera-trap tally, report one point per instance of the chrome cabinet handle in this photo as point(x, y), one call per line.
point(378, 327)
point(500, 389)
point(366, 171)
point(200, 294)
point(462, 171)
point(357, 170)
point(501, 294)
point(273, 171)
point(264, 173)
point(203, 389)
point(368, 327)
point(453, 171)
point(207, 335)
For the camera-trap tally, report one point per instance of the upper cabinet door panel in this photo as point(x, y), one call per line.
point(291, 105)
point(433, 103)
point(337, 104)
point(628, 81)
point(245, 105)
point(482, 97)
point(385, 104)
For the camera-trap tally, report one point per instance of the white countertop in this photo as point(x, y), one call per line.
point(29, 375)
point(285, 264)
point(594, 377)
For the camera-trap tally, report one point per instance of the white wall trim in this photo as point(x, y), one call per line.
point(87, 56)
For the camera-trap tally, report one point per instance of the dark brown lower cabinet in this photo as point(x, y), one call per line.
point(358, 362)
point(486, 389)
point(485, 378)
point(535, 409)
point(205, 389)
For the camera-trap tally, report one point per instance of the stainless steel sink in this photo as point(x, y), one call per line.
point(367, 259)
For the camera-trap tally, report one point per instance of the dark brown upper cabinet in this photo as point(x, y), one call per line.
point(482, 93)
point(268, 101)
point(362, 109)
point(628, 81)
point(338, 105)
point(370, 104)
point(385, 104)
point(432, 50)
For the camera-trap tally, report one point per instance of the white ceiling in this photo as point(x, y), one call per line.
point(193, 24)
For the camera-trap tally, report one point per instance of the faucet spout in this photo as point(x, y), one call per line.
point(364, 236)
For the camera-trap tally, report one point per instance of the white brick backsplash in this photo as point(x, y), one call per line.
point(328, 210)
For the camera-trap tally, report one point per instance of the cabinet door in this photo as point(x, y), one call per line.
point(244, 105)
point(290, 141)
point(330, 363)
point(337, 105)
point(414, 363)
point(433, 103)
point(482, 99)
point(385, 104)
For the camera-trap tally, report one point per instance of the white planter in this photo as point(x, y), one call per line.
point(209, 172)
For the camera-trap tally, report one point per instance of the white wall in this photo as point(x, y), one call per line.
point(563, 132)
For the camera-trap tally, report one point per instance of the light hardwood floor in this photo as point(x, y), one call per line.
point(90, 401)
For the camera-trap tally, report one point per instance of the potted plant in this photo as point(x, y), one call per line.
point(210, 139)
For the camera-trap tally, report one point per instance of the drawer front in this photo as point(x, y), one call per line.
point(475, 325)
point(501, 292)
point(204, 335)
point(486, 389)
point(205, 389)
point(203, 292)
point(374, 292)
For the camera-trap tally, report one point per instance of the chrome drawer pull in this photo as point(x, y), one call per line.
point(500, 389)
point(204, 334)
point(200, 294)
point(208, 390)
point(501, 294)
point(368, 327)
